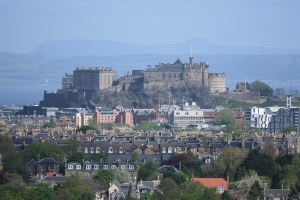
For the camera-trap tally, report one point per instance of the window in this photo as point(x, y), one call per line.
point(78, 166)
point(51, 167)
point(182, 148)
point(123, 166)
point(70, 166)
point(170, 150)
point(105, 166)
point(88, 167)
point(110, 150)
point(86, 150)
point(97, 150)
point(121, 150)
point(131, 167)
point(92, 150)
point(113, 166)
point(220, 189)
point(96, 166)
point(79, 149)
point(163, 150)
point(207, 160)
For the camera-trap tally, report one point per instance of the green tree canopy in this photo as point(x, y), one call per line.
point(134, 157)
point(226, 117)
point(47, 125)
point(74, 188)
point(106, 176)
point(148, 171)
point(43, 150)
point(6, 144)
point(12, 162)
point(147, 126)
point(262, 88)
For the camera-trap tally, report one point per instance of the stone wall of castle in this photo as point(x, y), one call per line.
point(217, 82)
point(247, 97)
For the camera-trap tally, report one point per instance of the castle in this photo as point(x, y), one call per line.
point(87, 81)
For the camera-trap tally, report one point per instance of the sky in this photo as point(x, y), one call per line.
point(26, 24)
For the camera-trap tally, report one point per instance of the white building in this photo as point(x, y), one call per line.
point(82, 119)
point(258, 117)
point(183, 118)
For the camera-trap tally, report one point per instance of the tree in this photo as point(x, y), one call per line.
point(256, 192)
point(43, 150)
point(13, 179)
point(124, 175)
point(176, 159)
point(47, 125)
point(107, 126)
point(106, 176)
point(134, 157)
point(290, 128)
point(263, 164)
point(12, 162)
point(6, 145)
point(178, 177)
point(97, 157)
point(148, 171)
point(74, 188)
point(145, 196)
point(226, 117)
point(45, 191)
point(77, 157)
point(147, 126)
point(262, 88)
point(192, 166)
point(169, 189)
point(226, 196)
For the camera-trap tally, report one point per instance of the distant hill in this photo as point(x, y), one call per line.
point(275, 70)
point(70, 48)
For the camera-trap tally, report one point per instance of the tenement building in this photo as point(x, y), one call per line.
point(93, 78)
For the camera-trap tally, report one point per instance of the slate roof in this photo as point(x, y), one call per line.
point(32, 162)
point(278, 193)
point(48, 161)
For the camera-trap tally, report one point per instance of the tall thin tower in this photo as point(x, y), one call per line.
point(191, 58)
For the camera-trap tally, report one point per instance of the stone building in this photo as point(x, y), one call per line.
point(93, 78)
point(178, 73)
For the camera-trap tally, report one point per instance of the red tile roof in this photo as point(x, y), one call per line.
point(52, 174)
point(213, 182)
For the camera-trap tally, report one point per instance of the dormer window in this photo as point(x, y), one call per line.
point(98, 150)
point(123, 166)
point(131, 167)
point(207, 160)
point(113, 166)
point(86, 150)
point(220, 189)
point(70, 166)
point(78, 166)
point(96, 166)
point(92, 150)
point(79, 149)
point(170, 150)
point(105, 166)
point(163, 150)
point(121, 150)
point(110, 150)
point(88, 167)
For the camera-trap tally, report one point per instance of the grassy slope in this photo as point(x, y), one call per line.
point(237, 104)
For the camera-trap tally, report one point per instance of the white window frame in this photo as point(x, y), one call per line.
point(170, 150)
point(110, 150)
point(86, 150)
point(131, 167)
point(88, 167)
point(163, 150)
point(92, 150)
point(121, 150)
point(51, 167)
point(70, 166)
point(123, 166)
point(98, 149)
point(113, 167)
point(105, 166)
point(78, 166)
